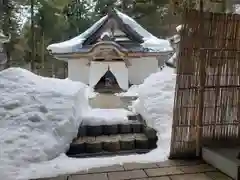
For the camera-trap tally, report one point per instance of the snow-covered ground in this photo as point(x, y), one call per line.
point(40, 116)
point(106, 117)
point(155, 104)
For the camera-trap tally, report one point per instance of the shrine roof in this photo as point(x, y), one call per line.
point(147, 41)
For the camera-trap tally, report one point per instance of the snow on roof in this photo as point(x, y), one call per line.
point(151, 42)
point(70, 45)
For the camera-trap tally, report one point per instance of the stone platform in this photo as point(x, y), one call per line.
point(168, 170)
point(223, 158)
point(107, 140)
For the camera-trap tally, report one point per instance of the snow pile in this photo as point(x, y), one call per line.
point(155, 104)
point(39, 117)
point(106, 117)
point(90, 93)
point(132, 92)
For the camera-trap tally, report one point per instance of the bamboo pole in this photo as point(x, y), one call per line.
point(201, 89)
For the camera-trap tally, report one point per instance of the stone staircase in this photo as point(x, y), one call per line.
point(106, 140)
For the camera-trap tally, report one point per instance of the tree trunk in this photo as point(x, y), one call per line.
point(43, 51)
point(53, 70)
point(6, 30)
point(8, 63)
point(33, 38)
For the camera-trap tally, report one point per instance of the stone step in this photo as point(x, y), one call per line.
point(106, 145)
point(107, 140)
point(98, 130)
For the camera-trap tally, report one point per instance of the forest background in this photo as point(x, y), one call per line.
point(34, 24)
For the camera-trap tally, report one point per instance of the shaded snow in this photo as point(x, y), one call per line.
point(106, 117)
point(132, 92)
point(90, 93)
point(172, 62)
point(155, 103)
point(39, 117)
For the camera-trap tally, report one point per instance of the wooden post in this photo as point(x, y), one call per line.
point(201, 89)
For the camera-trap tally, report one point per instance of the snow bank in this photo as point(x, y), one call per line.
point(155, 104)
point(106, 117)
point(90, 93)
point(39, 117)
point(132, 92)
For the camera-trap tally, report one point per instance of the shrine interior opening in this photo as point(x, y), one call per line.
point(107, 83)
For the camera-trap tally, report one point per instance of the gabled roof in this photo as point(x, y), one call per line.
point(129, 32)
point(147, 40)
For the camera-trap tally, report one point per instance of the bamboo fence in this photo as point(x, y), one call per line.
point(207, 96)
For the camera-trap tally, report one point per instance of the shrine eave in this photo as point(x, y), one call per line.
point(69, 56)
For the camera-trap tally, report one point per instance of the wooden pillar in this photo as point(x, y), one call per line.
point(201, 89)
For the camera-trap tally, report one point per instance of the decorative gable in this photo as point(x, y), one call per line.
point(107, 51)
point(117, 30)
